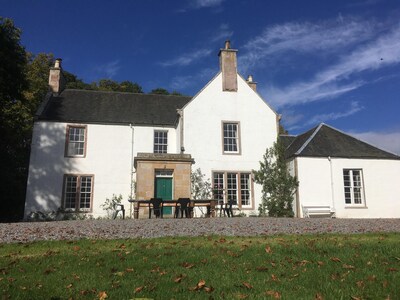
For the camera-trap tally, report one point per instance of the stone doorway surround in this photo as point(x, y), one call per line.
point(146, 165)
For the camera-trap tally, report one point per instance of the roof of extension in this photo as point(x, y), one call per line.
point(83, 106)
point(325, 141)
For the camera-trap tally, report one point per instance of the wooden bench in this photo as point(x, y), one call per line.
point(318, 211)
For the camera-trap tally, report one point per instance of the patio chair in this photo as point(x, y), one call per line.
point(119, 208)
point(156, 205)
point(228, 208)
point(183, 205)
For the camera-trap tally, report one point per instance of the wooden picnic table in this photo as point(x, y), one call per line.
point(210, 204)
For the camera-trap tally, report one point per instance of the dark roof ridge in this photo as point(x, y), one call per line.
point(126, 93)
point(309, 139)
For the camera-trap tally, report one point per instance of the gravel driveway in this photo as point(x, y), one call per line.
point(145, 228)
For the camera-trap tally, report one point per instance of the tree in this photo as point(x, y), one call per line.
point(201, 187)
point(130, 87)
point(13, 121)
point(159, 91)
point(278, 186)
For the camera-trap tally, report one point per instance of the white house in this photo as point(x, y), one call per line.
point(349, 177)
point(89, 145)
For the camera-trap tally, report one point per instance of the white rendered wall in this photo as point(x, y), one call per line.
point(108, 158)
point(381, 186)
point(203, 137)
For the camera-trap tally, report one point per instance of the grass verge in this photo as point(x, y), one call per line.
point(365, 266)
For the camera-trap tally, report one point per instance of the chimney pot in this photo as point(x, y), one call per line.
point(228, 44)
point(252, 83)
point(57, 63)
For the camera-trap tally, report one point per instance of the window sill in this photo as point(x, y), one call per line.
point(356, 206)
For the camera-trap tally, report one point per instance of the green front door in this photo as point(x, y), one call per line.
point(163, 189)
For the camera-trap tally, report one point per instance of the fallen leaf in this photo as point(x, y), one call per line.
point(274, 294)
point(208, 289)
point(392, 269)
point(187, 265)
point(129, 270)
point(360, 283)
point(268, 249)
point(348, 266)
point(247, 285)
point(69, 286)
point(201, 284)
point(262, 269)
point(355, 298)
point(102, 295)
point(320, 263)
point(274, 278)
point(335, 259)
point(139, 289)
point(179, 278)
point(76, 248)
point(318, 296)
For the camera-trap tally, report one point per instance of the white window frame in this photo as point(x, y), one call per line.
point(227, 185)
point(78, 191)
point(159, 145)
point(353, 184)
point(75, 142)
point(231, 137)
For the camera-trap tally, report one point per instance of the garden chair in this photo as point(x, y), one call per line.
point(183, 206)
point(119, 208)
point(156, 205)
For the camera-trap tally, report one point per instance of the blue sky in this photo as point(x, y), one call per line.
point(336, 62)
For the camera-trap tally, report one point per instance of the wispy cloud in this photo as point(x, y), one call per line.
point(198, 4)
point(316, 38)
point(353, 108)
point(187, 58)
point(108, 70)
point(181, 82)
point(223, 33)
point(389, 141)
point(336, 79)
point(207, 3)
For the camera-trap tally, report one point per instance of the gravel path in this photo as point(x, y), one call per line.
point(145, 228)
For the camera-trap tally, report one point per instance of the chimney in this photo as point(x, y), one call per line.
point(252, 83)
point(56, 78)
point(228, 65)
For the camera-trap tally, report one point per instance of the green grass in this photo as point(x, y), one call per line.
point(363, 266)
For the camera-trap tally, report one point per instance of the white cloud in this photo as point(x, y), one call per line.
point(389, 141)
point(187, 58)
point(316, 38)
point(207, 3)
point(355, 107)
point(108, 70)
point(222, 34)
point(335, 79)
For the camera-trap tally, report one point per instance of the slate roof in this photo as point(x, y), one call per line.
point(287, 139)
point(325, 141)
point(83, 106)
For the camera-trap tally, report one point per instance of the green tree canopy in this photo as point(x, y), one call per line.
point(159, 91)
point(278, 186)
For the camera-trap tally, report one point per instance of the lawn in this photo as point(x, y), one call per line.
point(365, 266)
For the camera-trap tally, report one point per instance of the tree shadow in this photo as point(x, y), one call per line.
point(47, 167)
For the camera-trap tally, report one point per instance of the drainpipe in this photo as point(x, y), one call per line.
point(132, 172)
point(332, 186)
point(181, 141)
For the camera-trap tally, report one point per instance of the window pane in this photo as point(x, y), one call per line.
point(160, 141)
point(232, 187)
point(85, 192)
point(218, 186)
point(76, 141)
point(230, 137)
point(352, 180)
point(70, 192)
point(245, 189)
